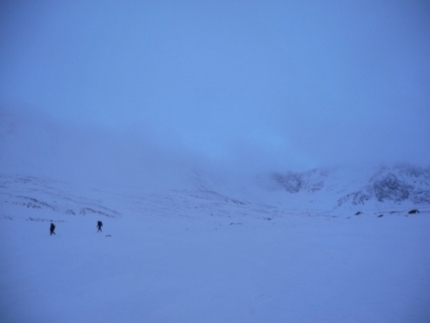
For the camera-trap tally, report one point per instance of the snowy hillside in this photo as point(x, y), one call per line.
point(395, 187)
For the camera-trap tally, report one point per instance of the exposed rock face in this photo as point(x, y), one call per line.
point(291, 182)
point(310, 181)
point(356, 198)
point(390, 187)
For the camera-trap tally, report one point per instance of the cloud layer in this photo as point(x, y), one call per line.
point(266, 85)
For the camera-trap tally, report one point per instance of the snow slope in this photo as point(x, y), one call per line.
point(201, 256)
point(371, 188)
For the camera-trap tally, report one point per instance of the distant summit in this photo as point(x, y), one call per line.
point(396, 184)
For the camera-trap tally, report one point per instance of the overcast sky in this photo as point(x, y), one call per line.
point(282, 83)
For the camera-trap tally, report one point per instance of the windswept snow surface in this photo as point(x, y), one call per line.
point(201, 256)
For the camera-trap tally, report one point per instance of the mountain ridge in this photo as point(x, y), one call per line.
point(396, 184)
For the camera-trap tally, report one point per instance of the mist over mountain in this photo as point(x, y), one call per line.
point(31, 145)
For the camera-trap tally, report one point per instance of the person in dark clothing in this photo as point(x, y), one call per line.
point(52, 229)
point(99, 226)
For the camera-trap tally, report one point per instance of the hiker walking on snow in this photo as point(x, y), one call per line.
point(99, 226)
point(52, 229)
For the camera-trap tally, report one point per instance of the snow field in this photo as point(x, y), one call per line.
point(205, 269)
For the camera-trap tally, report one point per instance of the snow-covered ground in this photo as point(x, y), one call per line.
point(203, 256)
